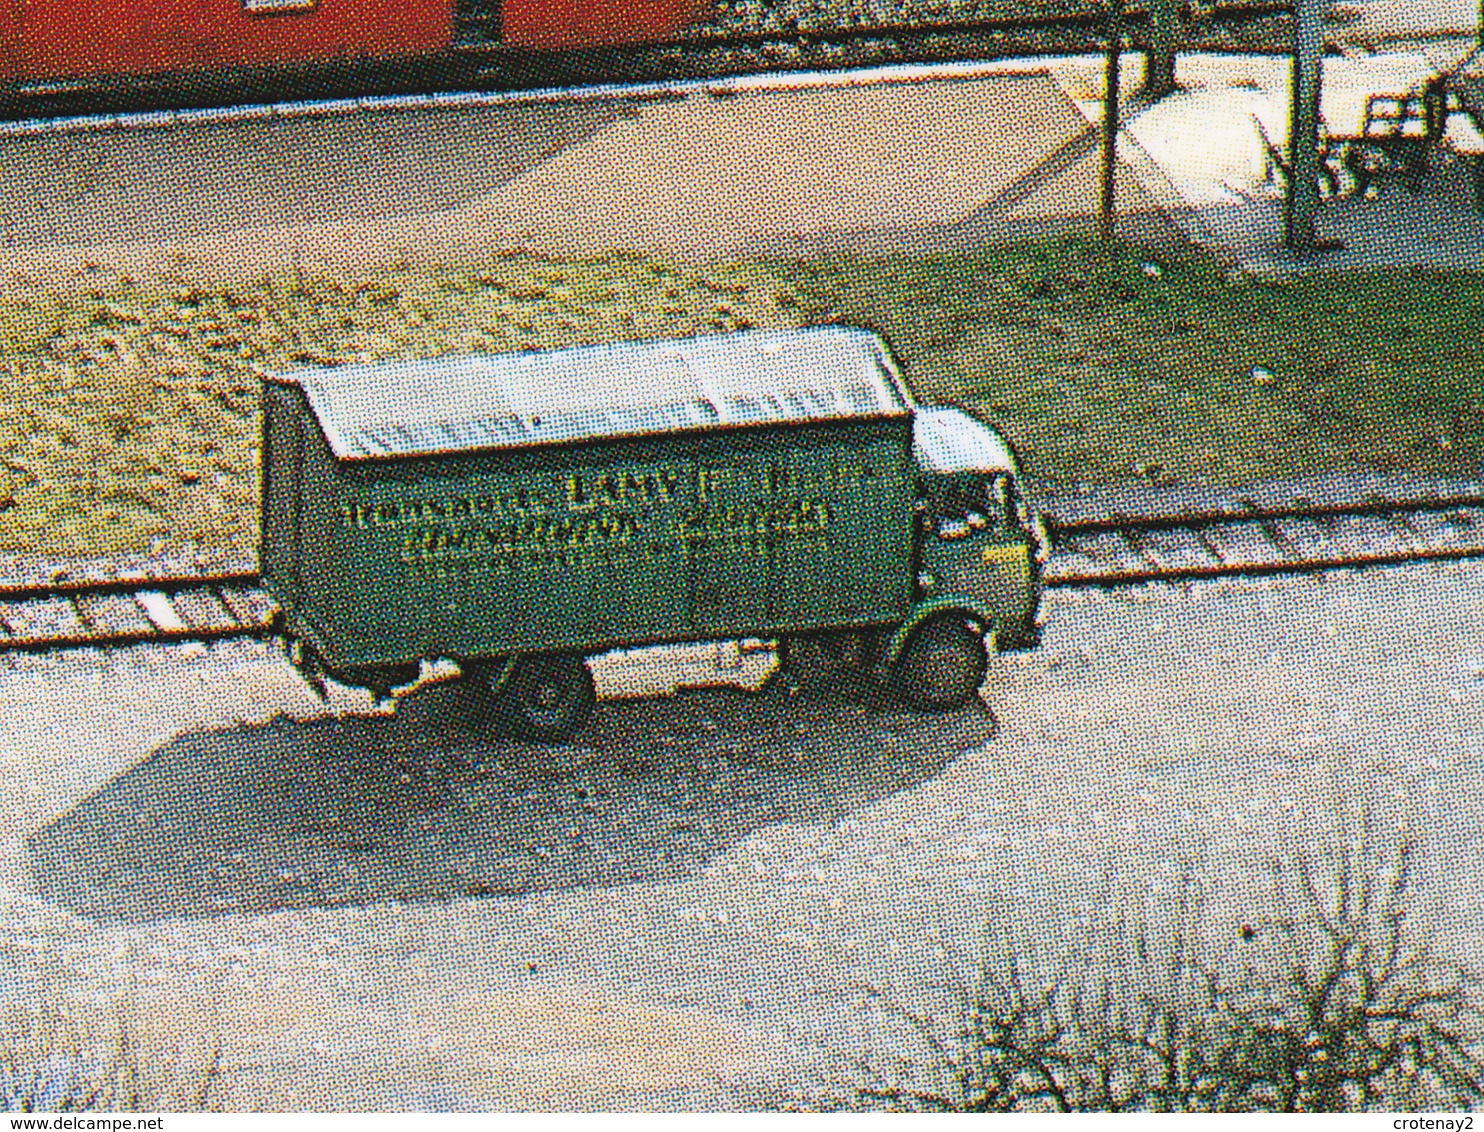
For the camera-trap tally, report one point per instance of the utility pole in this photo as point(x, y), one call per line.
point(1107, 205)
point(1164, 36)
point(1301, 205)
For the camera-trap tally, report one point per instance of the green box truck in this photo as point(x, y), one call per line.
point(516, 513)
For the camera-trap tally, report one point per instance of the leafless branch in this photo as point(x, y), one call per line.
point(1335, 999)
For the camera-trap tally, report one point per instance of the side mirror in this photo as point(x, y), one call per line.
point(1001, 493)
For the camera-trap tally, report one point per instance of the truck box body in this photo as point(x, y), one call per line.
point(748, 485)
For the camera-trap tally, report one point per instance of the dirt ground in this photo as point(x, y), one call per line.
point(241, 848)
point(681, 910)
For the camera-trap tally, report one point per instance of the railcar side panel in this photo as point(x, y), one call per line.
point(10, 34)
point(561, 24)
point(54, 39)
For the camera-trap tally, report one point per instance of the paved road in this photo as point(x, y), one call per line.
point(884, 165)
point(687, 901)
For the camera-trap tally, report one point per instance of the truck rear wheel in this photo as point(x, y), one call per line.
point(547, 698)
point(943, 664)
point(819, 658)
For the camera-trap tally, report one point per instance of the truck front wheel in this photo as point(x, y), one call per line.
point(943, 664)
point(547, 698)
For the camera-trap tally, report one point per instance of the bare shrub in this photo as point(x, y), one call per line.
point(51, 1061)
point(1160, 997)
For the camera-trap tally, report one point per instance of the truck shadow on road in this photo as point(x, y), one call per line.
point(362, 809)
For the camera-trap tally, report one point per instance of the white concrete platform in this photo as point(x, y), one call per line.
point(1205, 153)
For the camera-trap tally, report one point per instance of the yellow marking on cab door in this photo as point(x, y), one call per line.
point(1005, 552)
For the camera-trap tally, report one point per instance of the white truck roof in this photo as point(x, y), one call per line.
point(948, 440)
point(473, 402)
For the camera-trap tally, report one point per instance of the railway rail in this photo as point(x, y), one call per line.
point(1096, 553)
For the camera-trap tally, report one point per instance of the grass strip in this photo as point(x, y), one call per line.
point(128, 412)
point(1109, 364)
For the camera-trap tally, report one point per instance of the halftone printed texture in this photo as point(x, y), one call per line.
point(681, 908)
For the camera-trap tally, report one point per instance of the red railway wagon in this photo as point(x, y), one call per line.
point(57, 41)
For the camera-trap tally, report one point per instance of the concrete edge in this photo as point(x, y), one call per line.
point(458, 100)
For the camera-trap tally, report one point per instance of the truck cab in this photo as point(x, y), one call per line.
point(978, 545)
point(977, 549)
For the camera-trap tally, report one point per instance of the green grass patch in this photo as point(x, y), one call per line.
point(1104, 365)
point(129, 413)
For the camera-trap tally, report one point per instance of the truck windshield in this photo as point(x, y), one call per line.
point(978, 500)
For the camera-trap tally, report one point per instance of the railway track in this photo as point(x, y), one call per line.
point(132, 611)
point(1255, 542)
point(1052, 34)
point(1099, 553)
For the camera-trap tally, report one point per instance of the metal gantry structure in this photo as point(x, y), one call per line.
point(1301, 204)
